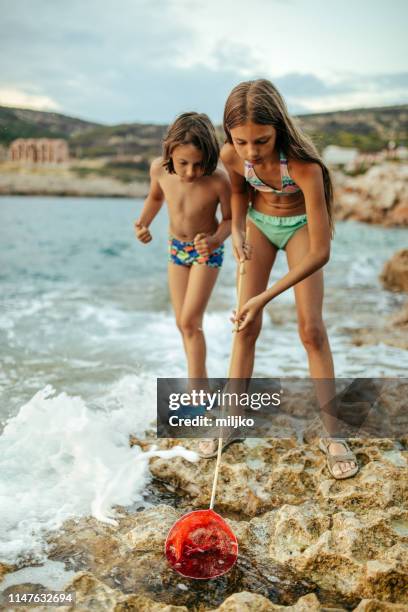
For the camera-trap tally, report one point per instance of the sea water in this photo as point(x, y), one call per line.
point(86, 326)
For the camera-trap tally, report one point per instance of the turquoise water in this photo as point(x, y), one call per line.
point(84, 305)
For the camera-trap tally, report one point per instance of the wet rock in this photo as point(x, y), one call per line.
point(394, 276)
point(399, 214)
point(376, 605)
point(387, 579)
point(400, 319)
point(93, 595)
point(4, 569)
point(378, 196)
point(377, 486)
point(388, 335)
point(342, 552)
point(129, 557)
point(306, 603)
point(133, 561)
point(254, 480)
point(328, 531)
point(392, 332)
point(252, 602)
point(246, 602)
point(149, 529)
point(304, 537)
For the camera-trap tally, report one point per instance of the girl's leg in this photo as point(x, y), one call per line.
point(309, 305)
point(200, 284)
point(312, 331)
point(254, 281)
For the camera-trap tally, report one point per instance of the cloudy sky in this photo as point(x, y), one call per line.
point(147, 60)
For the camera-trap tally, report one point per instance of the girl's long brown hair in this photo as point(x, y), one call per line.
point(260, 102)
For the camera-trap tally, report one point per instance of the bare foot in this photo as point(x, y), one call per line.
point(337, 448)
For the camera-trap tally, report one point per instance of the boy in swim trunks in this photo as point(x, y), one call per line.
point(187, 177)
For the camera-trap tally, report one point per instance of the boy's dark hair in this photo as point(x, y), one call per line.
point(195, 129)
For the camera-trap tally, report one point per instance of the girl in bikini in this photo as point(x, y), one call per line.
point(187, 177)
point(282, 189)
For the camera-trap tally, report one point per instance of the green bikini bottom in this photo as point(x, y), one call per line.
point(278, 230)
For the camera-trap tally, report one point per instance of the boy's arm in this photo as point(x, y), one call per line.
point(153, 202)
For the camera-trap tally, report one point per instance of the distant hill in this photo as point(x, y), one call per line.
point(26, 123)
point(369, 129)
point(119, 140)
point(86, 139)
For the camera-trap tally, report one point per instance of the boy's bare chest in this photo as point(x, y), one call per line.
point(198, 197)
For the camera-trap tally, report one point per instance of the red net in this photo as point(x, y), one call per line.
point(201, 545)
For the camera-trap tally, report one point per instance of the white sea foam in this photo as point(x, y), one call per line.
point(61, 459)
point(363, 271)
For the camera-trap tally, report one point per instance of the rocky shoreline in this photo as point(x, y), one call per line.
point(392, 331)
point(379, 196)
point(65, 182)
point(306, 541)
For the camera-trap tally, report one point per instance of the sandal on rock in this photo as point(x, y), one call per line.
point(331, 459)
point(226, 442)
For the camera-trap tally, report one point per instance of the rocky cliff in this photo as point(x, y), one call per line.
point(378, 196)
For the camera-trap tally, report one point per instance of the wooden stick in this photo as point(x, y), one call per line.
point(239, 293)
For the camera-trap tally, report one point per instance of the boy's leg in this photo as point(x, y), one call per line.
point(200, 284)
point(312, 331)
point(178, 281)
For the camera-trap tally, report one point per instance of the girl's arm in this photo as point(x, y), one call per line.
point(310, 179)
point(224, 194)
point(239, 202)
point(152, 203)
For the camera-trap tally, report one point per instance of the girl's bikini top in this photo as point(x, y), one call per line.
point(288, 184)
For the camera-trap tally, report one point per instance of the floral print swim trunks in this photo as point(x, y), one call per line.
point(185, 254)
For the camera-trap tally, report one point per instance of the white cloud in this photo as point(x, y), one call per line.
point(355, 91)
point(143, 61)
point(296, 36)
point(11, 96)
point(357, 99)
